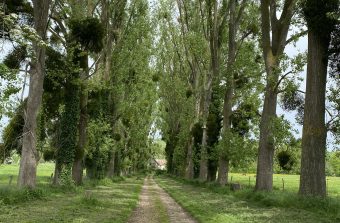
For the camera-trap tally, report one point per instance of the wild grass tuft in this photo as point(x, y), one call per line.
point(14, 196)
point(89, 199)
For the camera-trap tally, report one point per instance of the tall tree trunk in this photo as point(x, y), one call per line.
point(223, 167)
point(29, 154)
point(223, 159)
point(264, 175)
point(212, 170)
point(320, 26)
point(111, 168)
point(77, 169)
point(189, 169)
point(214, 51)
point(56, 174)
point(274, 36)
point(117, 164)
point(229, 93)
point(203, 174)
point(313, 178)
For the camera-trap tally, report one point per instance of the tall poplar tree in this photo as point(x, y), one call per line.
point(320, 26)
point(274, 40)
point(29, 153)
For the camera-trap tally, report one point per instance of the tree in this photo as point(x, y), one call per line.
point(235, 16)
point(29, 155)
point(274, 39)
point(320, 26)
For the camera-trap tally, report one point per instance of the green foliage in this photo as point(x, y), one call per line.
point(334, 162)
point(335, 52)
point(133, 91)
point(12, 134)
point(280, 129)
point(65, 177)
point(10, 196)
point(18, 6)
point(318, 16)
point(57, 71)
point(49, 154)
point(292, 100)
point(158, 149)
point(9, 86)
point(69, 126)
point(286, 160)
point(12, 14)
point(16, 57)
point(88, 32)
point(241, 118)
point(99, 149)
point(334, 90)
point(288, 156)
point(240, 151)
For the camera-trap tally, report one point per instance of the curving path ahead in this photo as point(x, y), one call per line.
point(156, 206)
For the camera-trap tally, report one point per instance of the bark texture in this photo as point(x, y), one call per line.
point(228, 96)
point(274, 39)
point(313, 177)
point(29, 155)
point(111, 168)
point(264, 175)
point(189, 170)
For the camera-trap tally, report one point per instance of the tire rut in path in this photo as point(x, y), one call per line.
point(148, 212)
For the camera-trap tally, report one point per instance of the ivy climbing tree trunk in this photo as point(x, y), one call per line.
point(29, 154)
point(78, 165)
point(69, 131)
point(77, 169)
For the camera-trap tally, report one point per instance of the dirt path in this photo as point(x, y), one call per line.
point(156, 206)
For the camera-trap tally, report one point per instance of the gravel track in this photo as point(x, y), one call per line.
point(148, 212)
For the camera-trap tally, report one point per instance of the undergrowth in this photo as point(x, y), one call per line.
point(14, 196)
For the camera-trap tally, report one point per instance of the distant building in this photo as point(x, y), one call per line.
point(159, 164)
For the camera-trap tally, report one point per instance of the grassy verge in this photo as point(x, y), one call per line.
point(108, 200)
point(210, 203)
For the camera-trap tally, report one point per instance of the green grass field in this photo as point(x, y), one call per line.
point(291, 182)
point(115, 199)
point(44, 173)
point(210, 203)
point(96, 201)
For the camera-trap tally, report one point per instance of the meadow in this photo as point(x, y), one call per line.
point(209, 203)
point(113, 198)
point(285, 182)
